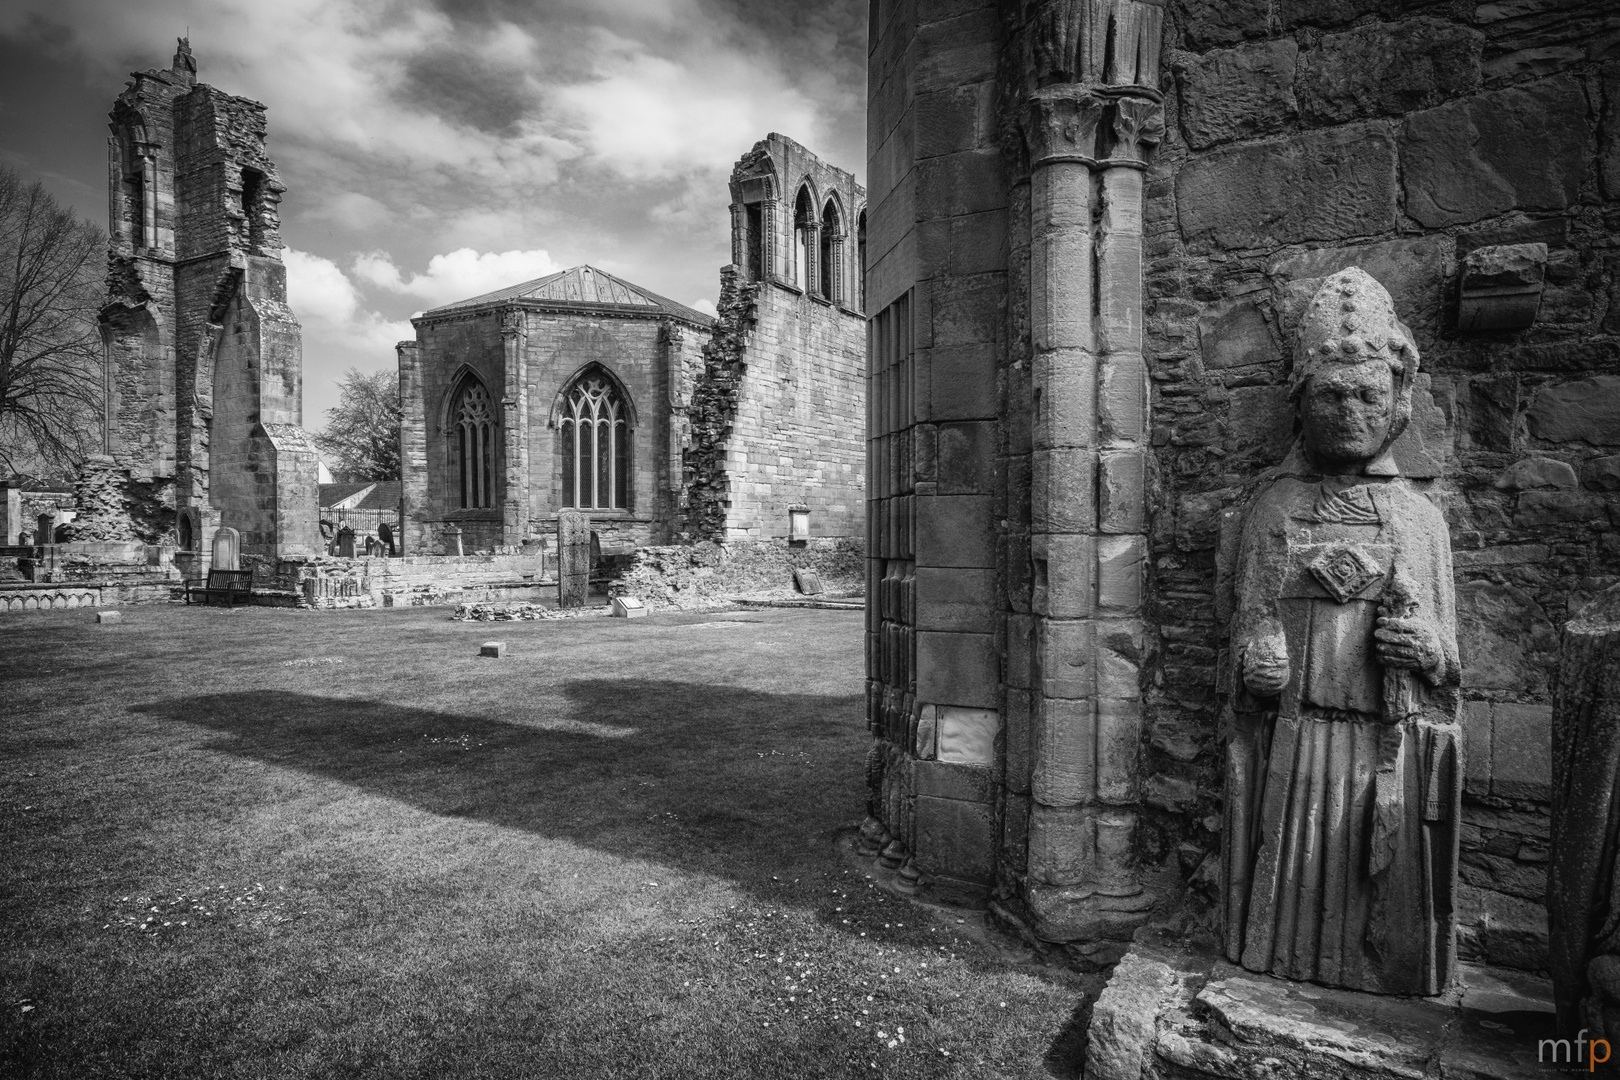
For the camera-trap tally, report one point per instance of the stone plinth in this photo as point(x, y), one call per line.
point(1173, 1012)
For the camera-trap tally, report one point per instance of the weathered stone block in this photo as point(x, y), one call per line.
point(109, 617)
point(946, 121)
point(1020, 639)
point(1414, 271)
point(955, 530)
point(1321, 185)
point(1019, 737)
point(1064, 499)
point(979, 243)
point(1586, 410)
point(1507, 641)
point(951, 598)
point(1609, 136)
point(1071, 561)
point(1493, 409)
point(1122, 397)
point(1066, 381)
point(970, 182)
point(1602, 473)
point(1198, 520)
point(1068, 658)
point(958, 669)
point(1015, 833)
point(1237, 93)
point(968, 310)
point(1233, 333)
point(1540, 508)
point(1511, 932)
point(955, 838)
point(1521, 751)
point(967, 736)
point(1122, 491)
point(1476, 725)
point(966, 462)
point(1065, 766)
point(495, 649)
point(1119, 743)
point(1524, 148)
point(962, 382)
point(1060, 844)
point(1385, 69)
point(1260, 421)
point(1208, 23)
point(1529, 474)
point(1119, 573)
point(1119, 658)
point(944, 780)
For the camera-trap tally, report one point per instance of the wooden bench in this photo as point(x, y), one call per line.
point(229, 584)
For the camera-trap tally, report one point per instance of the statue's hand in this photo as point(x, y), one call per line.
point(1407, 642)
point(1265, 666)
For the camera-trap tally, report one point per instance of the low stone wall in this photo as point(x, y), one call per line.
point(709, 574)
point(16, 598)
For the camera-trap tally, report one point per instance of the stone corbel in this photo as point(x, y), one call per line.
point(1137, 127)
point(1061, 124)
point(513, 324)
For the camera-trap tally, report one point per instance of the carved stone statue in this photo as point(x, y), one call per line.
point(1344, 776)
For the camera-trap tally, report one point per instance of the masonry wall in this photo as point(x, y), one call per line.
point(1345, 136)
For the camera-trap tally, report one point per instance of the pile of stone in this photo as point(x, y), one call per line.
point(517, 612)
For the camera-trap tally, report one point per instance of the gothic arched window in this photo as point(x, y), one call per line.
point(831, 250)
point(804, 227)
point(595, 445)
point(472, 444)
point(860, 256)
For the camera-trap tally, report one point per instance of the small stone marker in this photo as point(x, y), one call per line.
point(109, 617)
point(808, 581)
point(496, 649)
point(628, 607)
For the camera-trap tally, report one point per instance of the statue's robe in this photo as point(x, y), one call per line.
point(1343, 793)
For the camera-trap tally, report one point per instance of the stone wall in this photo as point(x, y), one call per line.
point(708, 574)
point(1398, 144)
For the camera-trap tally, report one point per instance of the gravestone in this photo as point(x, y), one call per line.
point(385, 533)
point(494, 649)
point(227, 550)
point(1343, 770)
point(1583, 878)
point(573, 558)
point(808, 581)
point(628, 607)
point(345, 543)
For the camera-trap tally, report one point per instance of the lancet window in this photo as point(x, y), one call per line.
point(595, 445)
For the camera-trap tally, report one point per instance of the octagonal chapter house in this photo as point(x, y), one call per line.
point(564, 392)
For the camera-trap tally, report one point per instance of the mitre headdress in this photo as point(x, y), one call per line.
point(1351, 320)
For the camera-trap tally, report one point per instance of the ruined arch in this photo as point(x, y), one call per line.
point(805, 226)
point(829, 264)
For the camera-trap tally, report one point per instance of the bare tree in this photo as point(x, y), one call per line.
point(361, 439)
point(50, 346)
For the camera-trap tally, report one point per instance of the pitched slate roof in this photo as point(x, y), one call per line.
point(582, 287)
point(332, 494)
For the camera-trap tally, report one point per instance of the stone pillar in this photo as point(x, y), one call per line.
point(1087, 515)
point(812, 257)
point(837, 248)
point(768, 239)
point(514, 422)
point(739, 235)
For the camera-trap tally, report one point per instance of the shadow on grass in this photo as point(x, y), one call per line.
point(714, 779)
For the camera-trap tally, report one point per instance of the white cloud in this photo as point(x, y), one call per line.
point(647, 116)
point(332, 311)
point(705, 305)
point(456, 275)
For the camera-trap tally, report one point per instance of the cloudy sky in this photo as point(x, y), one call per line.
point(436, 150)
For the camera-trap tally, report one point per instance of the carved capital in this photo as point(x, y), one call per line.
point(513, 324)
point(1061, 124)
point(1137, 126)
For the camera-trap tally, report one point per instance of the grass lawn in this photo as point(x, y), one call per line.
point(270, 843)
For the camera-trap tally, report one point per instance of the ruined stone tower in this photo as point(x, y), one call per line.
point(204, 363)
point(776, 434)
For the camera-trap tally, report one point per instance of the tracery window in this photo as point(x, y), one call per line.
point(804, 228)
point(831, 251)
point(595, 445)
point(473, 442)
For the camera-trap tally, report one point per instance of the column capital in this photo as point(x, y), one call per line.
point(1136, 127)
point(1061, 124)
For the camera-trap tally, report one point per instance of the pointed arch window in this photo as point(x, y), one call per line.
point(832, 244)
point(472, 441)
point(595, 445)
point(804, 242)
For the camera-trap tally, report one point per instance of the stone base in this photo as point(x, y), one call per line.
point(1171, 1013)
